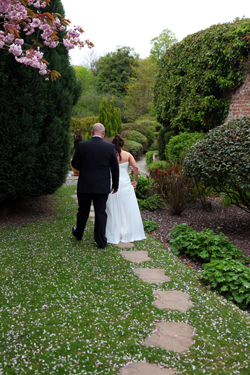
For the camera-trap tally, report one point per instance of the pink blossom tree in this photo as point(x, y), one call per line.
point(27, 17)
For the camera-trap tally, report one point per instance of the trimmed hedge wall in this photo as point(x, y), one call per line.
point(197, 75)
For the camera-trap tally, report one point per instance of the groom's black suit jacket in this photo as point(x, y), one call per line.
point(95, 159)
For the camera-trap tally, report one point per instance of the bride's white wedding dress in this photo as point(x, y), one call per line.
point(124, 223)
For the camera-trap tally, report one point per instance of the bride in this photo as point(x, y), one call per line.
point(124, 223)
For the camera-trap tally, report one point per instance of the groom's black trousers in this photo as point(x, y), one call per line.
point(99, 201)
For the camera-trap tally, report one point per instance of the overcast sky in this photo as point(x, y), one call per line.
point(133, 23)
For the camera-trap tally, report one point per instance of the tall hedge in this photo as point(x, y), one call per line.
point(197, 76)
point(34, 123)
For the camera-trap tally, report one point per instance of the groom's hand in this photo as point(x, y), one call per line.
point(114, 191)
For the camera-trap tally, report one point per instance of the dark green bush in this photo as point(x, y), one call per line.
point(150, 203)
point(163, 139)
point(197, 75)
point(222, 161)
point(142, 187)
point(180, 145)
point(133, 135)
point(134, 148)
point(143, 129)
point(162, 165)
point(34, 123)
point(231, 278)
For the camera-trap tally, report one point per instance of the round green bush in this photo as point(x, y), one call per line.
point(180, 144)
point(160, 164)
point(84, 124)
point(222, 161)
point(143, 129)
point(133, 135)
point(134, 148)
point(149, 157)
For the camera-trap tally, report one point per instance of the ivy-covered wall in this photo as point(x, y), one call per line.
point(198, 75)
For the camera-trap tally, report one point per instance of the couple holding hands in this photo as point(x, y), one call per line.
point(117, 215)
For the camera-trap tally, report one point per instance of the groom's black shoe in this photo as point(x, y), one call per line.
point(74, 234)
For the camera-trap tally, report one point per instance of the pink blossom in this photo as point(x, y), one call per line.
point(16, 50)
point(1, 43)
point(19, 41)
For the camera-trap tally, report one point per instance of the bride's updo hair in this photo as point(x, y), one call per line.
point(119, 143)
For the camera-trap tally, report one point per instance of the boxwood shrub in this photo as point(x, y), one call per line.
point(133, 135)
point(180, 145)
point(134, 148)
point(143, 129)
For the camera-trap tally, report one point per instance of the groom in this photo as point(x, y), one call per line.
point(94, 159)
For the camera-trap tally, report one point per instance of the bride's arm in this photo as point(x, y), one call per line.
point(135, 169)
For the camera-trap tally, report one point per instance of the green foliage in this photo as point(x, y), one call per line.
point(149, 157)
point(133, 135)
point(133, 148)
point(204, 245)
point(85, 76)
point(143, 129)
point(34, 123)
point(158, 164)
point(139, 91)
point(231, 278)
point(163, 139)
point(180, 144)
point(161, 44)
point(84, 124)
point(149, 226)
point(110, 117)
point(115, 70)
point(197, 76)
point(142, 187)
point(221, 160)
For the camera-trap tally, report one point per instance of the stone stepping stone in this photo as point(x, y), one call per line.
point(74, 196)
point(136, 256)
point(145, 368)
point(171, 336)
point(125, 244)
point(93, 220)
point(91, 214)
point(151, 275)
point(172, 299)
point(92, 208)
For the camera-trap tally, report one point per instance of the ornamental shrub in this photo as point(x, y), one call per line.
point(142, 190)
point(133, 135)
point(84, 124)
point(143, 129)
point(163, 139)
point(231, 278)
point(158, 164)
point(222, 161)
point(34, 123)
point(180, 144)
point(149, 156)
point(197, 75)
point(149, 226)
point(134, 148)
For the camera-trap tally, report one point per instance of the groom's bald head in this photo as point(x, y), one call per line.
point(98, 129)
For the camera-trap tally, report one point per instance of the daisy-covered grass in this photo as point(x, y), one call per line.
point(67, 307)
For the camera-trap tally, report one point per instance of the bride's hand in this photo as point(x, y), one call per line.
point(134, 183)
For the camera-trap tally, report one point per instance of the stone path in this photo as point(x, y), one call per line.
point(176, 336)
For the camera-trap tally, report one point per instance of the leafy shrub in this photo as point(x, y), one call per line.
point(195, 78)
point(158, 126)
point(204, 245)
point(180, 144)
point(158, 164)
point(175, 189)
point(221, 160)
point(85, 125)
point(143, 129)
point(134, 148)
point(133, 135)
point(142, 187)
point(230, 277)
point(151, 203)
point(149, 226)
point(148, 124)
point(163, 139)
point(149, 157)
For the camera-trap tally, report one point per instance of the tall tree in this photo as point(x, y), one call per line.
point(110, 117)
point(161, 44)
point(34, 123)
point(115, 70)
point(139, 96)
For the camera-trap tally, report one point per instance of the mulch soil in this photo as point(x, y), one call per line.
point(232, 221)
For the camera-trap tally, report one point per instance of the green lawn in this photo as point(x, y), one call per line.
point(67, 307)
